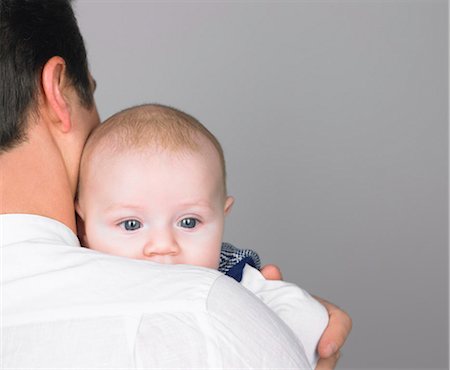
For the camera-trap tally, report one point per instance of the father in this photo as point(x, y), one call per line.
point(69, 307)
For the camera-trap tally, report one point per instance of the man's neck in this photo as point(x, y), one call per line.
point(34, 180)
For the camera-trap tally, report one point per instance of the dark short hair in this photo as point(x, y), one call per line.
point(32, 32)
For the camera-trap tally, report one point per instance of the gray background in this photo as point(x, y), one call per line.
point(333, 116)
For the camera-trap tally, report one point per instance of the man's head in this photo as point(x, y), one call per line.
point(152, 186)
point(31, 33)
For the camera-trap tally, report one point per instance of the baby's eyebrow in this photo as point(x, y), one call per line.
point(119, 206)
point(195, 203)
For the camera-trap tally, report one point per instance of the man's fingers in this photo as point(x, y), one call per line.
point(328, 363)
point(337, 331)
point(271, 272)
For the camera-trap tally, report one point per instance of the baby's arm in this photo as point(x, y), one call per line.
point(304, 315)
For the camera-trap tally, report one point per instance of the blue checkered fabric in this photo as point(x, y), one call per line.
point(233, 260)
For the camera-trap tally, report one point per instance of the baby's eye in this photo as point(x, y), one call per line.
point(131, 225)
point(188, 223)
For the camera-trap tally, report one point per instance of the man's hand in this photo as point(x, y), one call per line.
point(335, 334)
point(271, 272)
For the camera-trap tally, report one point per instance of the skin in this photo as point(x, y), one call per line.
point(168, 208)
point(47, 164)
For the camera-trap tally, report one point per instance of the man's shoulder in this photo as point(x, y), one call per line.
point(71, 276)
point(157, 304)
point(151, 282)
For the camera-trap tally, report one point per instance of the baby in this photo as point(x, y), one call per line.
point(153, 186)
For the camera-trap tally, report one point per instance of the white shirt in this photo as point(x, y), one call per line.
point(64, 306)
point(303, 314)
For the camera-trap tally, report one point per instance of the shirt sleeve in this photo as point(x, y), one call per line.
point(233, 260)
point(249, 335)
point(303, 314)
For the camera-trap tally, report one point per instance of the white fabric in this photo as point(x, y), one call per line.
point(303, 314)
point(64, 306)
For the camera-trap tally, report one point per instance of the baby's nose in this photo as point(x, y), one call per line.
point(161, 245)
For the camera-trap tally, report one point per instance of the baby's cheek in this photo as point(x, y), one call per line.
point(99, 237)
point(199, 257)
point(212, 257)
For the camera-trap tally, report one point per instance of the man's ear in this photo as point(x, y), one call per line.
point(54, 86)
point(228, 205)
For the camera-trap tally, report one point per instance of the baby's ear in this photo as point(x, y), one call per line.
point(228, 205)
point(81, 232)
point(77, 205)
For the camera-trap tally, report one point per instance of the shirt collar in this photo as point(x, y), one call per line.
point(17, 228)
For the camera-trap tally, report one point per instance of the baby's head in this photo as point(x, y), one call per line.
point(152, 186)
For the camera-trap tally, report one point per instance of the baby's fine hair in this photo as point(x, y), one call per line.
point(153, 126)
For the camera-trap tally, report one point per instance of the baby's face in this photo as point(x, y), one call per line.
point(164, 207)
